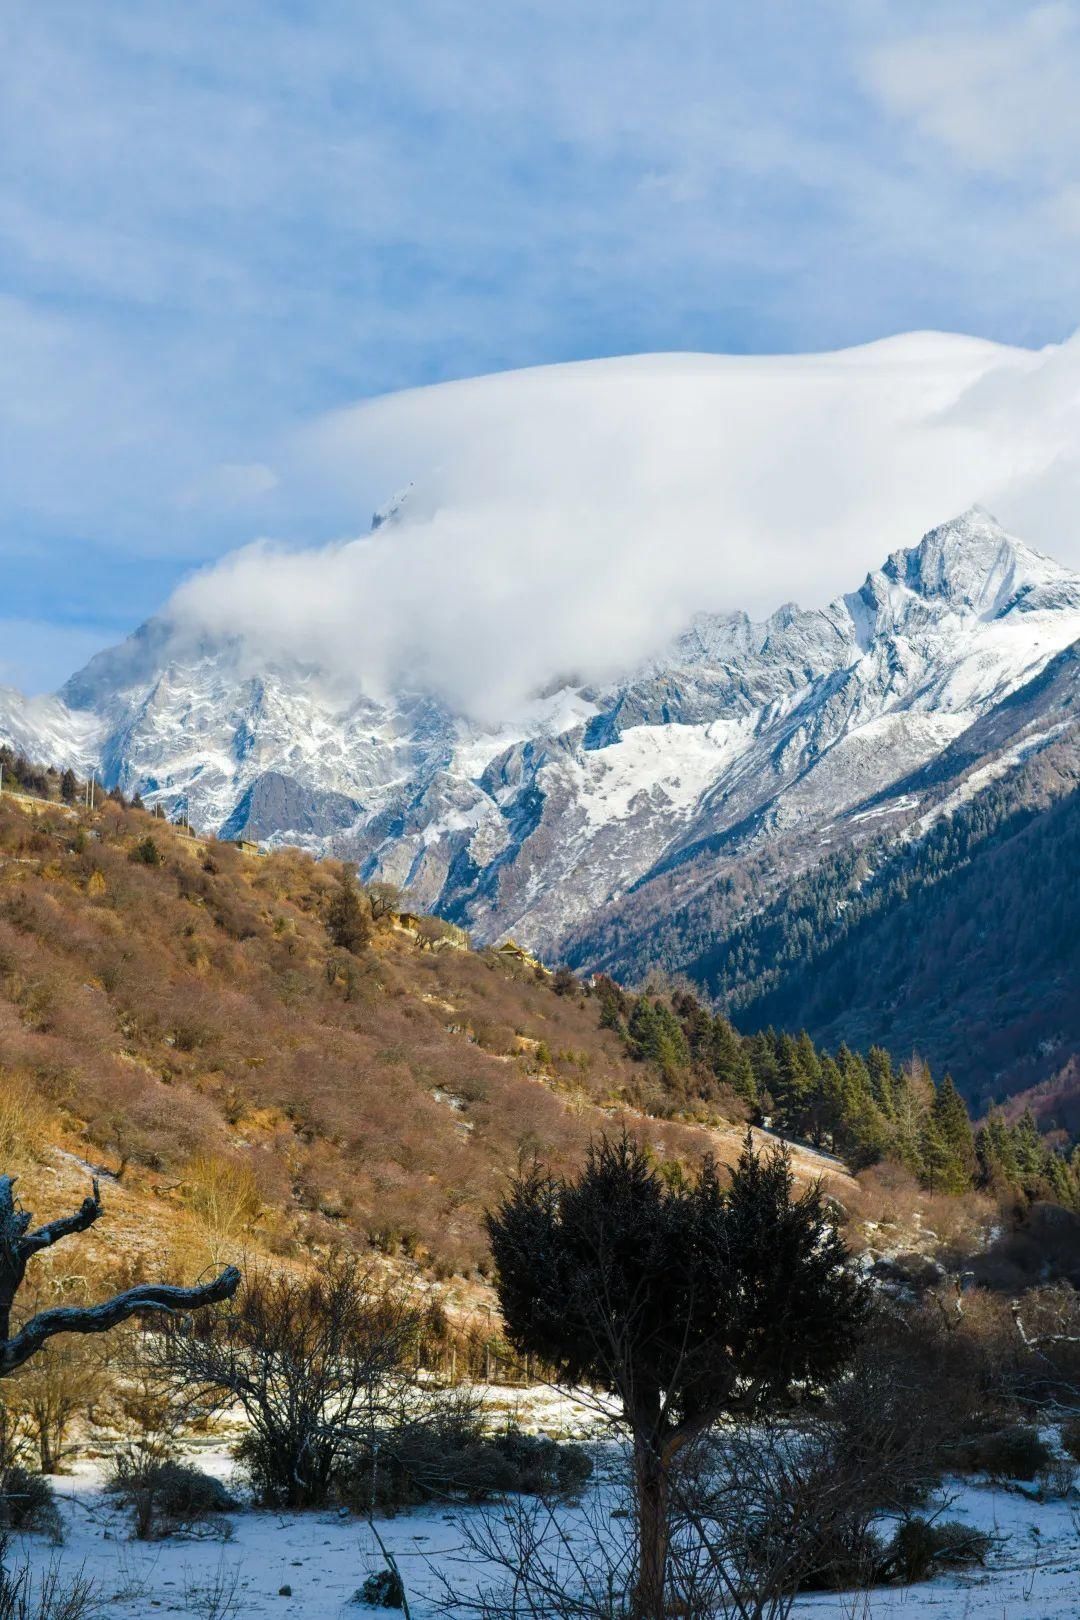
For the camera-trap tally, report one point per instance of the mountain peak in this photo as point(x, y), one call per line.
point(973, 564)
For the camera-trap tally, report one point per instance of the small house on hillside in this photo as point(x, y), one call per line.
point(435, 933)
point(510, 947)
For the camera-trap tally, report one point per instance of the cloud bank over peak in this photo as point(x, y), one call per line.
point(570, 519)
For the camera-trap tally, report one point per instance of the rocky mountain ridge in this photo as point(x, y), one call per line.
point(770, 740)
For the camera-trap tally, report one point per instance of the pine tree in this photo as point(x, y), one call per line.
point(996, 1154)
point(879, 1067)
point(348, 917)
point(729, 1059)
point(794, 1087)
point(1028, 1150)
point(934, 1156)
point(954, 1129)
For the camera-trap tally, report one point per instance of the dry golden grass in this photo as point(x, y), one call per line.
point(190, 1025)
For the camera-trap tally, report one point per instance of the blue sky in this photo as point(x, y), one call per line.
point(218, 223)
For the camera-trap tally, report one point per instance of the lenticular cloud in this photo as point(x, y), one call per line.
point(562, 523)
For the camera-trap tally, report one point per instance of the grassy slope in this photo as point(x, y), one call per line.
point(154, 1015)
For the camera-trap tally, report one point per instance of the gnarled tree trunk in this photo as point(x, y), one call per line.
point(19, 1244)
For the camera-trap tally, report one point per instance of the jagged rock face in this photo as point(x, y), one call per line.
point(741, 735)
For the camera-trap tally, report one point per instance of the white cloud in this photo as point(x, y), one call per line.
point(997, 97)
point(571, 518)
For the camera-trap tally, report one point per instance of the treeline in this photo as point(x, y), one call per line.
point(834, 900)
point(864, 1108)
point(21, 775)
point(970, 928)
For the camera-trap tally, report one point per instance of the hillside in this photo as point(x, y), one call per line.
point(933, 917)
point(168, 1002)
point(964, 945)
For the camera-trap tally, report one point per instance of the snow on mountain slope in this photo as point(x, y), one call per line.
point(741, 732)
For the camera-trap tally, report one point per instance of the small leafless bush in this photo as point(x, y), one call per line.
point(215, 1598)
point(45, 1596)
point(167, 1497)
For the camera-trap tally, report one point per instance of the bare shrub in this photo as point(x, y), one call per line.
point(45, 1596)
point(62, 1384)
point(223, 1196)
point(218, 1596)
point(23, 1121)
point(309, 1359)
point(166, 1497)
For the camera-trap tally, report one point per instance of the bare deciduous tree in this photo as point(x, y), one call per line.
point(311, 1360)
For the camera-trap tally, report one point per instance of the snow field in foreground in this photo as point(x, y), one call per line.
point(1034, 1571)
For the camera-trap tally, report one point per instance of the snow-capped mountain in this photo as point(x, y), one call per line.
point(740, 735)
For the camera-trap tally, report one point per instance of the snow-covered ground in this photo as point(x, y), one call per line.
point(323, 1558)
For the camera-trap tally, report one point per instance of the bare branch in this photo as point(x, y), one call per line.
point(87, 1213)
point(100, 1318)
point(1040, 1339)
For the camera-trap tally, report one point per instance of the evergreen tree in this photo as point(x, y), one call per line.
point(729, 1059)
point(348, 917)
point(879, 1068)
point(613, 1004)
point(953, 1126)
point(934, 1154)
point(995, 1153)
point(794, 1087)
point(1028, 1150)
point(683, 1299)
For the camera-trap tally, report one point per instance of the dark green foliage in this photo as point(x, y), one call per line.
point(922, 1548)
point(655, 1035)
point(383, 1589)
point(348, 917)
point(1070, 1437)
point(675, 1293)
point(27, 1502)
point(1017, 1159)
point(918, 942)
point(69, 787)
point(684, 1299)
point(851, 1555)
point(146, 852)
point(860, 1108)
point(449, 1456)
point(24, 777)
point(848, 1555)
point(544, 1467)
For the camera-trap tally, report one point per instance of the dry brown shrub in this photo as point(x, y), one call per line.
point(24, 1122)
point(223, 1196)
